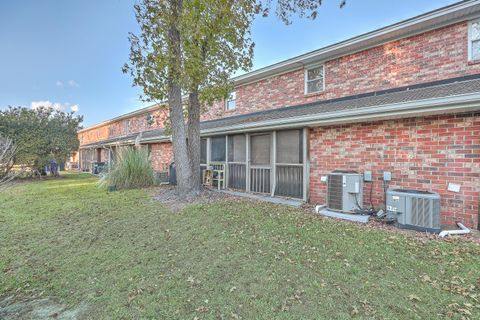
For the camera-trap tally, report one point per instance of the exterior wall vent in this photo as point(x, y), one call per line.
point(345, 191)
point(414, 209)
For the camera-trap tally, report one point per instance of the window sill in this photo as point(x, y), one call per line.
point(473, 62)
point(313, 94)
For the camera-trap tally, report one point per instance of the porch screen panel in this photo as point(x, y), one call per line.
point(113, 154)
point(218, 149)
point(237, 174)
point(260, 149)
point(260, 155)
point(236, 148)
point(290, 147)
point(289, 168)
point(203, 151)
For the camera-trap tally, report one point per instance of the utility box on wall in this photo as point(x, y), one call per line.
point(414, 209)
point(345, 190)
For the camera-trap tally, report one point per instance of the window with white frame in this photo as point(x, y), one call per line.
point(474, 40)
point(230, 103)
point(127, 126)
point(314, 79)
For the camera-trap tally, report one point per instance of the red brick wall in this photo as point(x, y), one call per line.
point(161, 155)
point(435, 55)
point(136, 124)
point(421, 153)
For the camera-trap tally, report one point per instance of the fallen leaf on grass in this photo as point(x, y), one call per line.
point(133, 294)
point(354, 311)
point(202, 309)
point(413, 297)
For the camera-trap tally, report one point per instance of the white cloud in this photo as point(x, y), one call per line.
point(55, 106)
point(73, 83)
point(59, 84)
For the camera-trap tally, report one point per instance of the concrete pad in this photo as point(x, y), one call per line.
point(345, 216)
point(276, 200)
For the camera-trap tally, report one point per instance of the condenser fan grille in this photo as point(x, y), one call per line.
point(335, 192)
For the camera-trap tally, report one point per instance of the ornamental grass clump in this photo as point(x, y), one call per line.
point(132, 169)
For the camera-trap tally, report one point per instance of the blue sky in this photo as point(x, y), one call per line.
point(69, 53)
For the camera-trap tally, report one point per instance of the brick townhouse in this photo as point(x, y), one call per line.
point(404, 98)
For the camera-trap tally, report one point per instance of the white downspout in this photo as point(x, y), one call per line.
point(463, 230)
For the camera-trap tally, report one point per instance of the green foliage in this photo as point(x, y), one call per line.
point(215, 42)
point(132, 169)
point(40, 134)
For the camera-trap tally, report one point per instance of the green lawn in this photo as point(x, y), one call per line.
point(124, 256)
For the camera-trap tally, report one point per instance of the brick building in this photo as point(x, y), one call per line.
point(403, 99)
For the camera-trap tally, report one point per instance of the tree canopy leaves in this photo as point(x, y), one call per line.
point(215, 42)
point(41, 134)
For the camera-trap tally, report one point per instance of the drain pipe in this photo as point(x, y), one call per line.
point(463, 230)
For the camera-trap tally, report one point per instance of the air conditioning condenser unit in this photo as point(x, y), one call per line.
point(345, 191)
point(414, 209)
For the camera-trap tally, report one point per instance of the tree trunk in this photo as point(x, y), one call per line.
point(177, 120)
point(194, 138)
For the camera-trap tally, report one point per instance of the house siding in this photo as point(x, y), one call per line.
point(422, 153)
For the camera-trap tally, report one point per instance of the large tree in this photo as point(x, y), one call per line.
point(41, 134)
point(186, 53)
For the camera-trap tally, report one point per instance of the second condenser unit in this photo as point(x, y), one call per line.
point(345, 190)
point(415, 209)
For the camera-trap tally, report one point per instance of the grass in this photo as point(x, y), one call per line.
point(126, 257)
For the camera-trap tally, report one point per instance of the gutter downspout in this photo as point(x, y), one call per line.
point(463, 230)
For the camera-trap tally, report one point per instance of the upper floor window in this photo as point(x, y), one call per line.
point(150, 120)
point(314, 79)
point(474, 40)
point(127, 125)
point(98, 133)
point(111, 130)
point(230, 103)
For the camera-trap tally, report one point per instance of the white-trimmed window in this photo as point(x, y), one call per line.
point(150, 120)
point(314, 79)
point(127, 126)
point(474, 40)
point(230, 103)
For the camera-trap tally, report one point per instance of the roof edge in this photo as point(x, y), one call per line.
point(451, 104)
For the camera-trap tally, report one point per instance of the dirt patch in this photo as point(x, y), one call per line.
point(12, 308)
point(168, 196)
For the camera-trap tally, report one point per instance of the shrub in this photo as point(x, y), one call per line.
point(132, 169)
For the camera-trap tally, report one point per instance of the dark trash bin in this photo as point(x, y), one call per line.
point(172, 174)
point(98, 167)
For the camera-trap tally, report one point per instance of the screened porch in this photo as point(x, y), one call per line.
point(270, 163)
